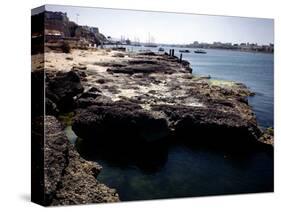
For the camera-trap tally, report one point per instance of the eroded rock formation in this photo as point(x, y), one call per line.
point(154, 97)
point(60, 90)
point(69, 179)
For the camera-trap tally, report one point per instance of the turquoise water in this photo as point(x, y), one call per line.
point(255, 70)
point(187, 172)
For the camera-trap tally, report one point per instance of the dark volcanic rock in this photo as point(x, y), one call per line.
point(211, 127)
point(149, 53)
point(92, 97)
point(145, 68)
point(147, 65)
point(267, 136)
point(51, 107)
point(196, 110)
point(69, 179)
point(55, 156)
point(60, 91)
point(110, 64)
point(120, 123)
point(122, 132)
point(92, 92)
point(142, 61)
point(89, 101)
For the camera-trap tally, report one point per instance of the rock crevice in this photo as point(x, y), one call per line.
point(69, 179)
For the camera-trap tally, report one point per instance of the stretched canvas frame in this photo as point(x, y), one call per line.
point(118, 115)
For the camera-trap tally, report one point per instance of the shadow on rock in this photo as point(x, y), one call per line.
point(149, 158)
point(123, 132)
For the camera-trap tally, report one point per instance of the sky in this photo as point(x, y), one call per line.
point(171, 28)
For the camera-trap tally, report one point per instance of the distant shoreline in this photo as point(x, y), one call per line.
point(236, 50)
point(181, 47)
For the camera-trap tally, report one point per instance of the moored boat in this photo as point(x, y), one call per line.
point(200, 51)
point(123, 49)
point(150, 45)
point(150, 42)
point(184, 51)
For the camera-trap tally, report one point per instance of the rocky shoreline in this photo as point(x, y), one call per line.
point(69, 179)
point(134, 105)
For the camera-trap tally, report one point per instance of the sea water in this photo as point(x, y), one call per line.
point(255, 70)
point(189, 172)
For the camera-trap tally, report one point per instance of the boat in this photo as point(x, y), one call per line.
point(200, 51)
point(161, 49)
point(184, 51)
point(136, 44)
point(150, 45)
point(122, 49)
point(150, 42)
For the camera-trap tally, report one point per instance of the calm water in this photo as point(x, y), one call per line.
point(187, 172)
point(190, 172)
point(255, 70)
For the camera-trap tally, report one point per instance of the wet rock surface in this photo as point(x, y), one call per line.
point(122, 120)
point(212, 127)
point(69, 179)
point(156, 92)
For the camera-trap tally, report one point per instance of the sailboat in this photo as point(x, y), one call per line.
point(136, 42)
point(150, 42)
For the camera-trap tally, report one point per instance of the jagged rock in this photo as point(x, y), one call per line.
point(111, 64)
point(123, 132)
point(212, 126)
point(196, 109)
point(142, 61)
point(147, 66)
point(79, 70)
point(92, 97)
point(51, 107)
point(79, 185)
point(148, 53)
point(101, 81)
point(69, 179)
point(121, 122)
point(267, 136)
point(94, 89)
point(118, 55)
point(93, 93)
point(55, 156)
point(141, 68)
point(69, 58)
point(61, 89)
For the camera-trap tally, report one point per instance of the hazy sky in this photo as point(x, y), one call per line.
point(171, 27)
